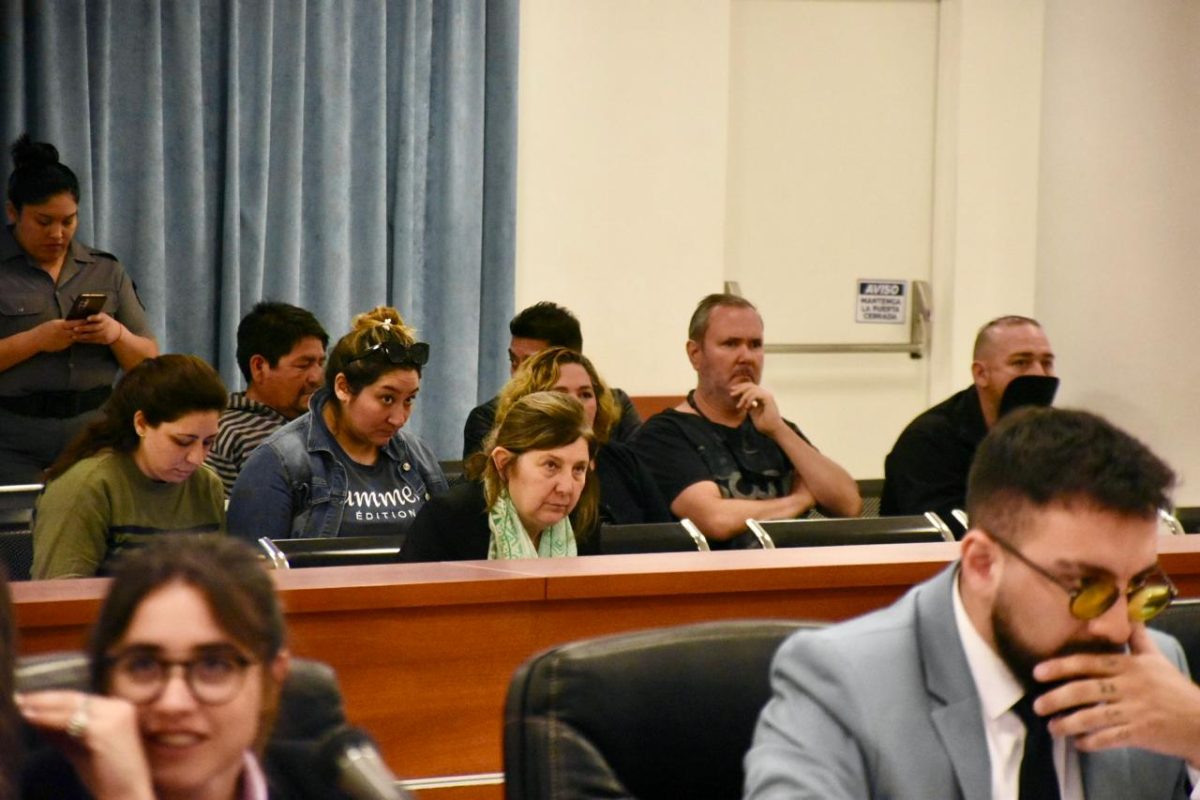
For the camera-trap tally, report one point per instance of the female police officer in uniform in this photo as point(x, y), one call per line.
point(55, 372)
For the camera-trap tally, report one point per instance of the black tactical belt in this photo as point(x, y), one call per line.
point(57, 405)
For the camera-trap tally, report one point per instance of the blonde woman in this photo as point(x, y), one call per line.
point(534, 472)
point(628, 493)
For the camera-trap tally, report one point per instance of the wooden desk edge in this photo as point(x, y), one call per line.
point(319, 590)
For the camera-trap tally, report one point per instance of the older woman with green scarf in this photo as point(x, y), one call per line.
point(532, 490)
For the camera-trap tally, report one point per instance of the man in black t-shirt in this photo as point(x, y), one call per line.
point(928, 466)
point(726, 454)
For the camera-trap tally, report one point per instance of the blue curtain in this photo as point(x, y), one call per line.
point(336, 154)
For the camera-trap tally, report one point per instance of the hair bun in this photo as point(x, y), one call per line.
point(380, 315)
point(28, 153)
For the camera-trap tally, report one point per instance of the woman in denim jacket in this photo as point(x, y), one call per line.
point(346, 468)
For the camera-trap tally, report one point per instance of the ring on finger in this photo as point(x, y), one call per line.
point(78, 722)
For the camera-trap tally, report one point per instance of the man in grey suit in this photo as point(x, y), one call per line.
point(930, 697)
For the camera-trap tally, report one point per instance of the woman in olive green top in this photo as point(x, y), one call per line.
point(137, 472)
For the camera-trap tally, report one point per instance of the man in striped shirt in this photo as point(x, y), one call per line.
point(281, 353)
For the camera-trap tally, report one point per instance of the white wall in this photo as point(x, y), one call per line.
point(831, 119)
point(1119, 244)
point(621, 174)
point(658, 158)
point(986, 178)
point(1025, 156)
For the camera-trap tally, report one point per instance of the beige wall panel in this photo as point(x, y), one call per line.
point(831, 147)
point(621, 183)
point(986, 195)
point(1119, 224)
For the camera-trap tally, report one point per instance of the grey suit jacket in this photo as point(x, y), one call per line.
point(884, 706)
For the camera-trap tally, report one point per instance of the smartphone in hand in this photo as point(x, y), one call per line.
point(87, 304)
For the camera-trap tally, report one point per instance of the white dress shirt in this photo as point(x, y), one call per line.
point(998, 690)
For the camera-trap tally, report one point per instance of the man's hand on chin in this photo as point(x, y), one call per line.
point(1134, 699)
point(760, 405)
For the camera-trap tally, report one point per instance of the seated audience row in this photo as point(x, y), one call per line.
point(724, 455)
point(349, 469)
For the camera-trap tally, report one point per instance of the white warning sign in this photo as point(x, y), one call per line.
point(883, 302)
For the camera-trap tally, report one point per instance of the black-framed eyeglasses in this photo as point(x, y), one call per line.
point(415, 354)
point(1146, 598)
point(214, 676)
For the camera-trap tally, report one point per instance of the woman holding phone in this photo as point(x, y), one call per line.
point(55, 370)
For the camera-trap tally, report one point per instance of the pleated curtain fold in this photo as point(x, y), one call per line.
point(337, 155)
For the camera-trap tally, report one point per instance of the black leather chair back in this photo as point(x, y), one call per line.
point(341, 551)
point(16, 553)
point(857, 530)
point(665, 713)
point(655, 537)
point(16, 526)
point(1182, 620)
point(1189, 518)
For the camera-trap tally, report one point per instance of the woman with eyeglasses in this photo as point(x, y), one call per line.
point(135, 473)
point(532, 491)
point(188, 658)
point(347, 468)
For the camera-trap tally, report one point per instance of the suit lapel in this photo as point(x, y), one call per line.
point(956, 713)
point(1106, 775)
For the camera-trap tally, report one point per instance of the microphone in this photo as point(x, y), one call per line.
point(349, 755)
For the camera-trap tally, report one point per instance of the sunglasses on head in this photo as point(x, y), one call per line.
point(415, 354)
point(1146, 598)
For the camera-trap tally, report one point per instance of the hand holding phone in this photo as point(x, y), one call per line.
point(86, 305)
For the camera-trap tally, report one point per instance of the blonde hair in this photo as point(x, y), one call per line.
point(541, 371)
point(377, 326)
point(539, 421)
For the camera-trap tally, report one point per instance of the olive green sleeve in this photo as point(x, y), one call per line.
point(70, 526)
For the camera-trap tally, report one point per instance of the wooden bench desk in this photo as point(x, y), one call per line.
point(424, 652)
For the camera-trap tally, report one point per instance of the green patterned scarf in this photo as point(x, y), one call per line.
point(509, 539)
